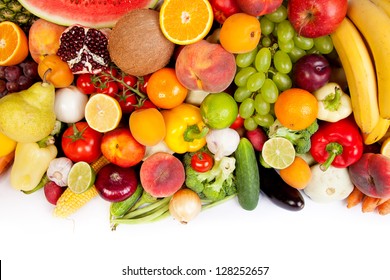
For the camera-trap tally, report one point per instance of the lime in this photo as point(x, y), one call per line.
point(81, 177)
point(219, 110)
point(278, 152)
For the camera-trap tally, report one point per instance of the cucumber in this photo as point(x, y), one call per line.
point(118, 209)
point(247, 175)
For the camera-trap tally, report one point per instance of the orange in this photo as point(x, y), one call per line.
point(297, 174)
point(185, 22)
point(240, 33)
point(296, 108)
point(147, 126)
point(165, 90)
point(13, 44)
point(103, 112)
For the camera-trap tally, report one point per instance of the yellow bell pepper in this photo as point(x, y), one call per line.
point(185, 129)
point(31, 162)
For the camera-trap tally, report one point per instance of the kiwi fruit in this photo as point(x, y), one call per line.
point(137, 45)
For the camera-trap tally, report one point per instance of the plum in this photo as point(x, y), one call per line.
point(162, 174)
point(371, 175)
point(114, 183)
point(311, 72)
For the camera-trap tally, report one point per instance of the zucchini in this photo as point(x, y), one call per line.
point(278, 191)
point(118, 209)
point(247, 175)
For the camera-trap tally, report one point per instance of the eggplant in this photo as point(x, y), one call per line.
point(278, 191)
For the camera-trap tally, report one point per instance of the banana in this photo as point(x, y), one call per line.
point(377, 133)
point(383, 4)
point(360, 74)
point(374, 24)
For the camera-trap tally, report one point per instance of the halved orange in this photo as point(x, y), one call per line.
point(185, 22)
point(103, 112)
point(13, 44)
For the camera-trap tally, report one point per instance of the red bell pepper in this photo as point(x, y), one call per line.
point(339, 144)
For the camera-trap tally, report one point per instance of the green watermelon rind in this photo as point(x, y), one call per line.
point(97, 16)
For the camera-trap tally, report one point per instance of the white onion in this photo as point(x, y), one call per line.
point(69, 104)
point(185, 205)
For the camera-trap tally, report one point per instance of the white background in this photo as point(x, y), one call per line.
point(320, 242)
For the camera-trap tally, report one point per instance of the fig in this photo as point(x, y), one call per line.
point(371, 175)
point(162, 174)
point(114, 183)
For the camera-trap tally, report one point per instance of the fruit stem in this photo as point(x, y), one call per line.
point(192, 132)
point(334, 149)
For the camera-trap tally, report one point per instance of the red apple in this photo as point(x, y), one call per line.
point(222, 9)
point(259, 7)
point(371, 175)
point(120, 147)
point(316, 18)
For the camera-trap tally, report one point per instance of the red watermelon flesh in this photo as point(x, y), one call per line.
point(89, 13)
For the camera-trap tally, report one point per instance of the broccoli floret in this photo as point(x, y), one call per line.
point(299, 138)
point(214, 184)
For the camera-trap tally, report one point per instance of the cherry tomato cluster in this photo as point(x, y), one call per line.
point(130, 91)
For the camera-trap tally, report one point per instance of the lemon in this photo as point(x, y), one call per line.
point(278, 152)
point(219, 110)
point(81, 177)
point(103, 112)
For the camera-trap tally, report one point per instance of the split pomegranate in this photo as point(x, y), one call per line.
point(84, 49)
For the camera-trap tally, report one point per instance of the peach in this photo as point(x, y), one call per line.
point(205, 66)
point(44, 39)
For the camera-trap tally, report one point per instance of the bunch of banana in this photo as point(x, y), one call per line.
point(363, 44)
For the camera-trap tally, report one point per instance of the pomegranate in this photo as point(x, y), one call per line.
point(84, 49)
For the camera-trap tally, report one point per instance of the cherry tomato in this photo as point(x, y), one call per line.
point(107, 73)
point(143, 84)
point(55, 71)
point(145, 104)
point(85, 84)
point(108, 87)
point(129, 80)
point(202, 162)
point(127, 100)
point(238, 123)
point(81, 143)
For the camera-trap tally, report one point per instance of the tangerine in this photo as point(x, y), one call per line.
point(296, 108)
point(297, 174)
point(164, 89)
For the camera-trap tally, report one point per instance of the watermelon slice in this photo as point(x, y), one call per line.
point(89, 13)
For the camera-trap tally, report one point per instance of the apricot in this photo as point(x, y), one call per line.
point(44, 39)
point(205, 66)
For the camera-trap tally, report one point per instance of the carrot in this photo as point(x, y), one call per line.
point(354, 198)
point(384, 208)
point(6, 161)
point(369, 204)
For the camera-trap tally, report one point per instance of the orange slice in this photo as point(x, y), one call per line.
point(13, 44)
point(185, 22)
point(102, 112)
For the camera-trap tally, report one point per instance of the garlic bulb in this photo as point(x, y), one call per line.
point(58, 170)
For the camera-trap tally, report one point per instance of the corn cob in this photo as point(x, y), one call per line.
point(69, 202)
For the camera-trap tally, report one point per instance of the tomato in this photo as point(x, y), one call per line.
point(165, 90)
point(81, 143)
point(107, 73)
point(238, 123)
point(127, 100)
point(143, 83)
point(145, 104)
point(85, 84)
point(55, 71)
point(108, 87)
point(202, 162)
point(128, 80)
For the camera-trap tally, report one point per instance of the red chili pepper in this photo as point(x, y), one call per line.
point(339, 144)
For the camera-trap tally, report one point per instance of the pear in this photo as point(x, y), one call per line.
point(28, 115)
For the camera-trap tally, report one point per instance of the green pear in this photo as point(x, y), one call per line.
point(28, 115)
